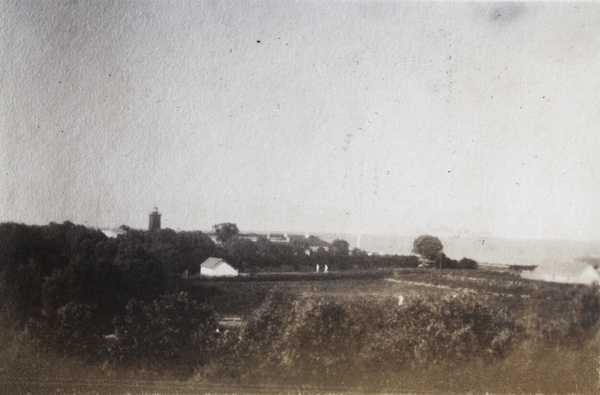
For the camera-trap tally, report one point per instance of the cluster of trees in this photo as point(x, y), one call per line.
point(430, 249)
point(69, 287)
point(266, 256)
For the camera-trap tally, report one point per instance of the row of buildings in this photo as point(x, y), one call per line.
point(312, 242)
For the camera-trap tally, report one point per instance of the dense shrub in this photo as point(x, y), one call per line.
point(328, 341)
point(172, 333)
point(467, 263)
point(72, 331)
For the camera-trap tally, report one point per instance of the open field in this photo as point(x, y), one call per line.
point(241, 296)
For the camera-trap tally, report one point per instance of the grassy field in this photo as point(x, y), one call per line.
point(242, 296)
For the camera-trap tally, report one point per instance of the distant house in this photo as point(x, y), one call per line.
point(278, 237)
point(217, 267)
point(559, 272)
point(250, 236)
point(314, 243)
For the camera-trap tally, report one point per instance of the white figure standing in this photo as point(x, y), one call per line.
point(400, 300)
point(326, 269)
point(317, 268)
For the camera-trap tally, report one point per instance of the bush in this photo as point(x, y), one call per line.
point(467, 263)
point(171, 333)
point(333, 342)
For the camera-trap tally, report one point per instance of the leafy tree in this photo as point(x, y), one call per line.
point(357, 252)
point(195, 247)
point(339, 247)
point(241, 252)
point(429, 247)
point(144, 276)
point(226, 231)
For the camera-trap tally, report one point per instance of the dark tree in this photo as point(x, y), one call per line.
point(226, 231)
point(429, 247)
point(339, 247)
point(194, 247)
point(467, 263)
point(299, 246)
point(145, 277)
point(358, 252)
point(241, 253)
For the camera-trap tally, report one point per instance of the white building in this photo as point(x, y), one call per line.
point(114, 232)
point(217, 267)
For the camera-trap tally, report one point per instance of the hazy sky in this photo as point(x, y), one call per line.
point(327, 116)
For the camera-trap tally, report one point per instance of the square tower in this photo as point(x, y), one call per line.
point(154, 220)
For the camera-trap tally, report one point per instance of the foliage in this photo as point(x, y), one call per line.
point(467, 263)
point(65, 284)
point(429, 247)
point(226, 231)
point(358, 252)
point(64, 288)
point(325, 341)
point(339, 247)
point(171, 332)
point(73, 331)
point(241, 253)
point(464, 263)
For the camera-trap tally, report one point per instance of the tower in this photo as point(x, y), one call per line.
point(154, 220)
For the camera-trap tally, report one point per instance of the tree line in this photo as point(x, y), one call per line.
point(73, 289)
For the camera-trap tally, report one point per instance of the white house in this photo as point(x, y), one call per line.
point(217, 267)
point(575, 272)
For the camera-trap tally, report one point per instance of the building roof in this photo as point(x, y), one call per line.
point(313, 241)
point(212, 262)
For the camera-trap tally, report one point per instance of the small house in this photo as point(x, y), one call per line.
point(576, 272)
point(313, 243)
point(217, 267)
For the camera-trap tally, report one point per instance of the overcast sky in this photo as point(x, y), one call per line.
point(327, 116)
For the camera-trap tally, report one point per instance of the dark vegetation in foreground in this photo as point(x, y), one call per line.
point(70, 295)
